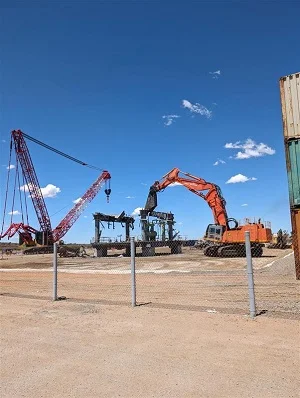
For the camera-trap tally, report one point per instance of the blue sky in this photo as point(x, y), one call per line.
point(94, 79)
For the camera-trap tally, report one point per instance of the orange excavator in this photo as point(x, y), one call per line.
point(223, 239)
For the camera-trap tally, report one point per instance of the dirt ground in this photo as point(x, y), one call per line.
point(182, 340)
point(190, 260)
point(189, 280)
point(68, 349)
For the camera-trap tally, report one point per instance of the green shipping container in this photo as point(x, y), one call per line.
point(293, 170)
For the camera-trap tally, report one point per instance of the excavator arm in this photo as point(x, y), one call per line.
point(210, 192)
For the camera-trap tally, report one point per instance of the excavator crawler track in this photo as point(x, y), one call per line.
point(234, 250)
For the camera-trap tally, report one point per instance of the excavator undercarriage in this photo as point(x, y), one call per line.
point(232, 250)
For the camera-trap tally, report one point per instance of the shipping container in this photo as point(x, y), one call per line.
point(292, 148)
point(295, 218)
point(290, 105)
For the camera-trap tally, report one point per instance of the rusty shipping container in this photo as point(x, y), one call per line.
point(295, 219)
point(292, 149)
point(290, 105)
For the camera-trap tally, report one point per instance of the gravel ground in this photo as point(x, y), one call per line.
point(67, 349)
point(191, 260)
point(188, 280)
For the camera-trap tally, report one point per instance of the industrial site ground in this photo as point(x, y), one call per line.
point(192, 337)
point(67, 349)
point(188, 280)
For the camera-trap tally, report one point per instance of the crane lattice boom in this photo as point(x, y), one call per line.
point(32, 182)
point(75, 212)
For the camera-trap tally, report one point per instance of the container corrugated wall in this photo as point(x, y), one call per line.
point(293, 170)
point(290, 105)
point(295, 218)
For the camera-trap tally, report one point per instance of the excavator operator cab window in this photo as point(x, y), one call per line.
point(214, 232)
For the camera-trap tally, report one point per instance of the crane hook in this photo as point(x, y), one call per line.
point(107, 192)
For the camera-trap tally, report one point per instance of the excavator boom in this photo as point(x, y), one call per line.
point(210, 192)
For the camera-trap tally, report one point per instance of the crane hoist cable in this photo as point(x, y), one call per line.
point(60, 152)
point(13, 199)
point(7, 185)
point(25, 199)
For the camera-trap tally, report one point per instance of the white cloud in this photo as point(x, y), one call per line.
point(219, 161)
point(174, 184)
point(136, 212)
point(244, 204)
point(14, 213)
point(230, 145)
point(129, 197)
point(3, 141)
point(197, 108)
point(239, 178)
point(49, 191)
point(85, 216)
point(250, 149)
point(143, 183)
point(77, 200)
point(169, 119)
point(216, 74)
point(10, 167)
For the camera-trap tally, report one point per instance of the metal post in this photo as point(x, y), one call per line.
point(54, 271)
point(133, 282)
point(144, 225)
point(97, 229)
point(170, 230)
point(250, 275)
point(127, 231)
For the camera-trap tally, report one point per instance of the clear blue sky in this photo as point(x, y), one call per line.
point(94, 79)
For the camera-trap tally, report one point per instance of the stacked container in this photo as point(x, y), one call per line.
point(290, 105)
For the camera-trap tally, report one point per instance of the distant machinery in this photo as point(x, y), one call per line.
point(164, 220)
point(149, 241)
point(110, 219)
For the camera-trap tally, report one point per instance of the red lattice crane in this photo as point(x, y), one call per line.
point(29, 176)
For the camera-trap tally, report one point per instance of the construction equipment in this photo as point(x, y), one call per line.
point(223, 240)
point(70, 251)
point(46, 236)
point(163, 220)
point(281, 240)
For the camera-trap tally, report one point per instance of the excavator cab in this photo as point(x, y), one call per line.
point(214, 232)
